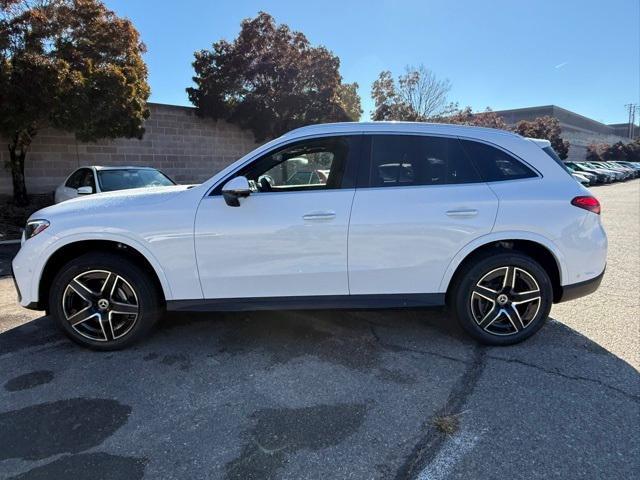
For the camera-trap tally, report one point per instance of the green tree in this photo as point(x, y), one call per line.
point(418, 95)
point(269, 80)
point(68, 64)
point(547, 128)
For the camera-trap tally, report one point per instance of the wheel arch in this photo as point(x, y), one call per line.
point(72, 249)
point(542, 251)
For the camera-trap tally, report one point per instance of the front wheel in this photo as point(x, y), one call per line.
point(502, 299)
point(104, 301)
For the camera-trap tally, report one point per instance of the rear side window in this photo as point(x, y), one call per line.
point(495, 165)
point(406, 160)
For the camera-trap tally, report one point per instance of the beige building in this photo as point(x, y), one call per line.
point(579, 130)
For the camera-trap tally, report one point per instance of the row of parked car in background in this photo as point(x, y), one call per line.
point(598, 173)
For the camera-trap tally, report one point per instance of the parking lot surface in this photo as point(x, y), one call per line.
point(335, 394)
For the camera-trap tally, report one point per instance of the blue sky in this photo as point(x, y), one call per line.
point(581, 55)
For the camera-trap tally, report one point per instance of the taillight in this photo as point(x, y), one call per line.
point(588, 203)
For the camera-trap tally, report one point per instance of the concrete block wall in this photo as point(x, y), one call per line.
point(186, 147)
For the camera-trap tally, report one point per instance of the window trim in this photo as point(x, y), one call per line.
point(351, 166)
point(94, 180)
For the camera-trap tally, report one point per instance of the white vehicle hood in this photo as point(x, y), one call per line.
point(118, 201)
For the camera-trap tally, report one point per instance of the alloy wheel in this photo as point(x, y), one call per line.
point(505, 301)
point(100, 305)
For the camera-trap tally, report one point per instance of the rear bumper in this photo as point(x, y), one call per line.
point(582, 289)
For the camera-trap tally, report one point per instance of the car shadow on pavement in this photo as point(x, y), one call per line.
point(321, 394)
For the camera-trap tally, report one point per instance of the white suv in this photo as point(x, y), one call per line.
point(350, 215)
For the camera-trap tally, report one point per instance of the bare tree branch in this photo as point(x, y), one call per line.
point(418, 96)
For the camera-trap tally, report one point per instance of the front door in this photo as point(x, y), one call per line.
point(289, 236)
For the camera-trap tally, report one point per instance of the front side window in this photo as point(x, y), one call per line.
point(126, 178)
point(316, 164)
point(494, 164)
point(76, 178)
point(87, 179)
point(405, 160)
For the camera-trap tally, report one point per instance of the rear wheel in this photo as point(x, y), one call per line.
point(103, 301)
point(503, 298)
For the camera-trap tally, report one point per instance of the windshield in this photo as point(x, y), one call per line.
point(123, 179)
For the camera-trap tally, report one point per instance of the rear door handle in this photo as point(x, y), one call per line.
point(319, 215)
point(471, 212)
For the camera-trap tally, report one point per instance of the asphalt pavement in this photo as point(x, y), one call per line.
point(335, 394)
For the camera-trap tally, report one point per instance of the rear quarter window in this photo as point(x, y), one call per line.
point(495, 165)
point(552, 153)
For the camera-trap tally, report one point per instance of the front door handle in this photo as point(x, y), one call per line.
point(470, 212)
point(319, 215)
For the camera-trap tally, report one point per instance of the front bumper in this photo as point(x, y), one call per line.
point(29, 305)
point(581, 289)
point(26, 268)
point(15, 284)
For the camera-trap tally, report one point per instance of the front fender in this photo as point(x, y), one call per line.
point(469, 248)
point(56, 243)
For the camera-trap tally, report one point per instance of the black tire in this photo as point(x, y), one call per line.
point(128, 278)
point(473, 311)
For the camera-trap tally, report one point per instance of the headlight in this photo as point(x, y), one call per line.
point(34, 227)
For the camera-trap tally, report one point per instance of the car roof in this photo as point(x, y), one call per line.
point(117, 167)
point(400, 127)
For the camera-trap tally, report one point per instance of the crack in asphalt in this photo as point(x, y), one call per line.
point(630, 396)
point(399, 348)
point(427, 449)
point(433, 440)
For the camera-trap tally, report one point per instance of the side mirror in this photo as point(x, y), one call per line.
point(85, 190)
point(235, 189)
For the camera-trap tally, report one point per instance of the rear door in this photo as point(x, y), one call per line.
point(419, 201)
